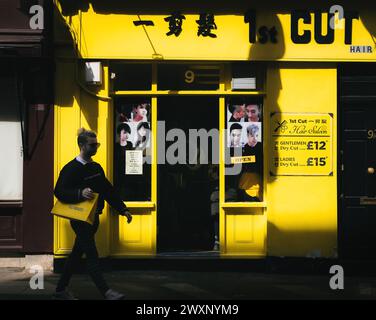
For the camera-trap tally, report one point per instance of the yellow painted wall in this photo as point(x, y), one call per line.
point(243, 232)
point(67, 120)
point(75, 109)
point(103, 33)
point(302, 210)
point(76, 106)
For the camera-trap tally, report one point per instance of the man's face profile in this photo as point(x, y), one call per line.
point(239, 111)
point(235, 136)
point(90, 147)
point(141, 110)
point(142, 132)
point(124, 135)
point(252, 139)
point(252, 112)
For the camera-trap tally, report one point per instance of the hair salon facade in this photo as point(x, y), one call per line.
point(308, 71)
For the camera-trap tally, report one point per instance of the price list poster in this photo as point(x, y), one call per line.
point(301, 144)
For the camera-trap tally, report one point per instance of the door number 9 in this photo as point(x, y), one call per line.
point(189, 76)
point(371, 134)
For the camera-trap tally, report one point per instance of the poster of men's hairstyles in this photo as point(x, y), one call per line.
point(244, 118)
point(244, 143)
point(133, 122)
point(132, 148)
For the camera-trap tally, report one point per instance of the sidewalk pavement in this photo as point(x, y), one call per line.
point(192, 285)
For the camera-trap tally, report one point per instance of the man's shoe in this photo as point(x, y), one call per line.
point(113, 295)
point(64, 295)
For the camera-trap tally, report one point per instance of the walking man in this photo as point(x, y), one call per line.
point(78, 180)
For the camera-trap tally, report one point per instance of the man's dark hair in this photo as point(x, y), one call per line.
point(234, 103)
point(234, 107)
point(136, 105)
point(235, 126)
point(231, 108)
point(83, 135)
point(123, 126)
point(143, 124)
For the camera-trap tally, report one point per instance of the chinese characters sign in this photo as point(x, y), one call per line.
point(301, 144)
point(175, 22)
point(215, 34)
point(205, 24)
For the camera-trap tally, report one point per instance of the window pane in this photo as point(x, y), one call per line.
point(131, 76)
point(11, 160)
point(244, 151)
point(132, 149)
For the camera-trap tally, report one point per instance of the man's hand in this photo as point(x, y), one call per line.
point(87, 193)
point(127, 214)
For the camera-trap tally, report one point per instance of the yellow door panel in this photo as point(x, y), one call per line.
point(64, 236)
point(135, 238)
point(245, 232)
point(67, 121)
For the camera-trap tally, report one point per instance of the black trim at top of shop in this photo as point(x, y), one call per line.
point(11, 204)
point(20, 51)
point(358, 98)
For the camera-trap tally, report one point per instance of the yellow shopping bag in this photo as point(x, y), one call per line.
point(83, 211)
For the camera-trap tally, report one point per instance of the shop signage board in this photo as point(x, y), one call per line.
point(251, 34)
point(301, 144)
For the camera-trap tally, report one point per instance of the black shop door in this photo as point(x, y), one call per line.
point(184, 222)
point(357, 221)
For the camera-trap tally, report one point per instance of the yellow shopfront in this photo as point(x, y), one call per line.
point(205, 108)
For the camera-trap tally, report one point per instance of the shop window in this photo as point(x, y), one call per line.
point(11, 160)
point(244, 149)
point(188, 77)
point(131, 76)
point(132, 148)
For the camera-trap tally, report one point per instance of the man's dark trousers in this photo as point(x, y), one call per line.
point(84, 243)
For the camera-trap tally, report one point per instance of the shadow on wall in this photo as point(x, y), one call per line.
point(369, 22)
point(275, 49)
point(303, 243)
point(72, 7)
point(72, 84)
point(68, 92)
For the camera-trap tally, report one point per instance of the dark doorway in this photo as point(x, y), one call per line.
point(184, 221)
point(357, 219)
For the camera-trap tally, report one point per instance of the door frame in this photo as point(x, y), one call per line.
point(344, 100)
point(228, 210)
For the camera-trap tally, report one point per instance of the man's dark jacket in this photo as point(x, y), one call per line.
point(75, 176)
